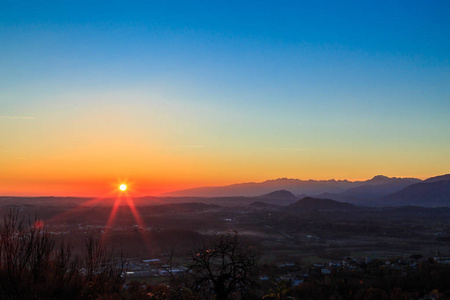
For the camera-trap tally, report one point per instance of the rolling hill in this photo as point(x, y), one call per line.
point(428, 193)
point(373, 191)
point(309, 203)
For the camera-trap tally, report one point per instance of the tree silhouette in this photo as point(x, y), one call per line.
point(34, 266)
point(224, 267)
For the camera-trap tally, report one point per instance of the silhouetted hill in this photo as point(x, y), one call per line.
point(377, 188)
point(281, 195)
point(373, 190)
point(244, 201)
point(320, 204)
point(434, 193)
point(438, 178)
point(380, 180)
point(188, 206)
point(411, 209)
point(42, 201)
point(261, 204)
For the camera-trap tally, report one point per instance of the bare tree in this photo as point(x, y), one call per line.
point(33, 266)
point(178, 279)
point(29, 261)
point(224, 267)
point(103, 273)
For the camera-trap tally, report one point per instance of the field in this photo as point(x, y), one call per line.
point(280, 234)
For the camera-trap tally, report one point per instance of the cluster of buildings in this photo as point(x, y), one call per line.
point(296, 274)
point(150, 268)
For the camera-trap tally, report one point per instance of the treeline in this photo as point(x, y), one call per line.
point(34, 265)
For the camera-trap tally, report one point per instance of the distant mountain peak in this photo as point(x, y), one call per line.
point(438, 178)
point(296, 180)
point(282, 179)
point(380, 177)
point(432, 192)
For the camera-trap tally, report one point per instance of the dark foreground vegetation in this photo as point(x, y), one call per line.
point(263, 261)
point(34, 265)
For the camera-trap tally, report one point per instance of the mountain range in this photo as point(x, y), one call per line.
point(252, 189)
point(431, 193)
point(378, 191)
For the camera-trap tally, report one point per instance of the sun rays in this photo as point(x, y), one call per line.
point(120, 199)
point(124, 199)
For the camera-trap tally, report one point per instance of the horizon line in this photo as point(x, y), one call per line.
point(422, 178)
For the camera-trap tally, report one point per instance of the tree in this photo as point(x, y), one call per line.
point(224, 266)
point(34, 266)
point(102, 272)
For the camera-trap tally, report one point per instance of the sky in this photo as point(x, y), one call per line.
point(166, 95)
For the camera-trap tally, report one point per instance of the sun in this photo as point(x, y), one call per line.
point(123, 187)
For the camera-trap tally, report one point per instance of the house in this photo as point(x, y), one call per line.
point(325, 271)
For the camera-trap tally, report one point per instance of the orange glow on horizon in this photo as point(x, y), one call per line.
point(122, 200)
point(97, 187)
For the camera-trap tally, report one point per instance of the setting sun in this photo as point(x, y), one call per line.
point(123, 187)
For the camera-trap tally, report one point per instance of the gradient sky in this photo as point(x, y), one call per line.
point(175, 94)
